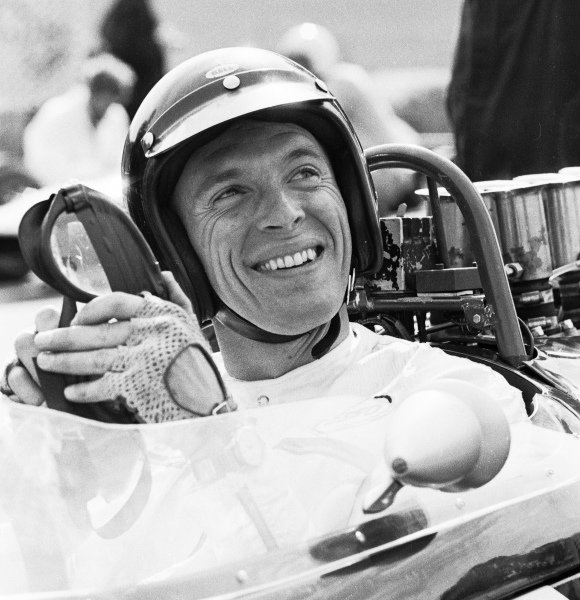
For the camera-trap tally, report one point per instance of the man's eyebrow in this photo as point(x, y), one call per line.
point(305, 152)
point(300, 152)
point(219, 177)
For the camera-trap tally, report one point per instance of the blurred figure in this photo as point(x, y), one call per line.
point(315, 48)
point(514, 97)
point(13, 181)
point(13, 178)
point(80, 134)
point(129, 31)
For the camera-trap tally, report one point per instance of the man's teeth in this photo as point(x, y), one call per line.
point(288, 261)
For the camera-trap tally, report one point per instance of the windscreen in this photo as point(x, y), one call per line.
point(251, 502)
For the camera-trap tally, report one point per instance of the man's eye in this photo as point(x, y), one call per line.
point(305, 173)
point(227, 193)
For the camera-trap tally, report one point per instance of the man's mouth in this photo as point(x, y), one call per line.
point(290, 261)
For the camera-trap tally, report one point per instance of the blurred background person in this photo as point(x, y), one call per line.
point(43, 44)
point(316, 48)
point(514, 96)
point(129, 30)
point(80, 134)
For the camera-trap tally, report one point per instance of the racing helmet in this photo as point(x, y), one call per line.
point(197, 101)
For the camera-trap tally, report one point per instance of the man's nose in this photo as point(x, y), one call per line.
point(280, 210)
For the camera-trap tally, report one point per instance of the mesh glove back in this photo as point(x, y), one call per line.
point(165, 372)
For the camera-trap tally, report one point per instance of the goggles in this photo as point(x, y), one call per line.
point(82, 245)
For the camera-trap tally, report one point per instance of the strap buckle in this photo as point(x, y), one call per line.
point(225, 406)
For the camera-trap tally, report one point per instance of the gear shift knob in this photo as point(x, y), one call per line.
point(447, 436)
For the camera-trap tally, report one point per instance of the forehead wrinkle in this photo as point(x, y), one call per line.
point(308, 148)
point(230, 140)
point(309, 151)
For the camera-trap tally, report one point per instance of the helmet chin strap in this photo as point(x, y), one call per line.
point(230, 319)
point(325, 344)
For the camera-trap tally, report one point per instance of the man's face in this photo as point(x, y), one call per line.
point(264, 213)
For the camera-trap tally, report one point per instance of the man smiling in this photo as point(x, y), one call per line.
point(251, 186)
point(267, 220)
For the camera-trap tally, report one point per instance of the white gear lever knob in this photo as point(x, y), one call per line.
point(448, 435)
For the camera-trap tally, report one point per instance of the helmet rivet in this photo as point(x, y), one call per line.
point(321, 85)
point(231, 82)
point(147, 141)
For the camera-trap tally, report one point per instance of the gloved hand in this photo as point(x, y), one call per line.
point(164, 370)
point(146, 350)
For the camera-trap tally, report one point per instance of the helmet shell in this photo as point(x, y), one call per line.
point(197, 101)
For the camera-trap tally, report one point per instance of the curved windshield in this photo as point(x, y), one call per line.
point(260, 502)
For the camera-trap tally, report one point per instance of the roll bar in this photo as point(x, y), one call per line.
point(482, 234)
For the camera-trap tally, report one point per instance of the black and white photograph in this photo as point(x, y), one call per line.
point(289, 300)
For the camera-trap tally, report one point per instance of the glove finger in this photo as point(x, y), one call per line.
point(81, 337)
point(97, 390)
point(89, 362)
point(117, 305)
point(112, 386)
point(176, 294)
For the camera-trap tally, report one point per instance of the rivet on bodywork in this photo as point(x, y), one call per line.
point(360, 536)
point(147, 141)
point(321, 85)
point(231, 82)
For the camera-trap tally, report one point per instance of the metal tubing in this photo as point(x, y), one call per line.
point(438, 219)
point(483, 237)
point(362, 303)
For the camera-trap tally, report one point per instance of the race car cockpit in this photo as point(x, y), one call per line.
point(439, 499)
point(350, 495)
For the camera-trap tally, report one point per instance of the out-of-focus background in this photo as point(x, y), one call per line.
point(406, 47)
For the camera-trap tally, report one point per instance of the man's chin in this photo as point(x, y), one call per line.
point(294, 321)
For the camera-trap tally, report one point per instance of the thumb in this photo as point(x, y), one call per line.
point(175, 293)
point(47, 318)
